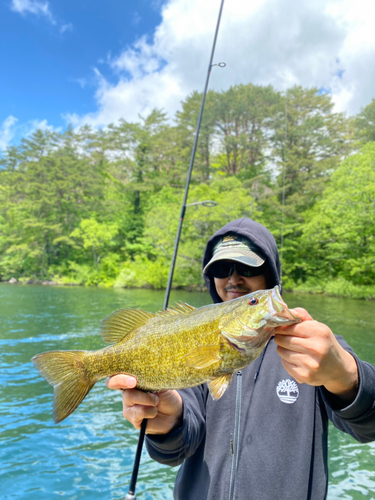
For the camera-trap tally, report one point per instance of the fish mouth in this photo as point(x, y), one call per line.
point(280, 315)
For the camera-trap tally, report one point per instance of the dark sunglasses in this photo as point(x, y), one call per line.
point(223, 269)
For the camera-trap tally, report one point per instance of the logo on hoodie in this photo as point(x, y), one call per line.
point(288, 391)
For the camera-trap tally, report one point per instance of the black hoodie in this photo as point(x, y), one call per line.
point(261, 239)
point(266, 438)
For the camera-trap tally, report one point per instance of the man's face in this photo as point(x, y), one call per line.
point(236, 286)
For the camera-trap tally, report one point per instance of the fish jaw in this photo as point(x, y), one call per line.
point(280, 315)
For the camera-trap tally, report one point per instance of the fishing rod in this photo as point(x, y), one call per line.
point(131, 494)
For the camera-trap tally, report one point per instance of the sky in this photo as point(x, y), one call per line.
point(94, 62)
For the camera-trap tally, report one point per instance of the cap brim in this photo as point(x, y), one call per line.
point(244, 256)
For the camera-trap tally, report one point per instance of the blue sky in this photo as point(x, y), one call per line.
point(94, 62)
point(48, 60)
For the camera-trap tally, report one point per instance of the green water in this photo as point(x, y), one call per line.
point(90, 455)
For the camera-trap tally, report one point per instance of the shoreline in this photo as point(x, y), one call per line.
point(13, 281)
point(360, 294)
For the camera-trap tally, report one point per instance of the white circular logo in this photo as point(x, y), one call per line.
point(288, 391)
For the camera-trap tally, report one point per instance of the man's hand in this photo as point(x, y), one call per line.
point(311, 354)
point(163, 409)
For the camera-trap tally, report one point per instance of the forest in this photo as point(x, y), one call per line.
point(101, 207)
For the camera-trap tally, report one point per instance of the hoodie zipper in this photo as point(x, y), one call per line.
point(235, 443)
point(236, 438)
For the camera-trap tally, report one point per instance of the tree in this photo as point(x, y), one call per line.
point(339, 239)
point(95, 236)
point(187, 120)
point(233, 201)
point(365, 123)
point(244, 121)
point(309, 143)
point(44, 195)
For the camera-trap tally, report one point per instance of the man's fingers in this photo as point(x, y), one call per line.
point(299, 329)
point(122, 381)
point(163, 409)
point(291, 343)
point(301, 313)
point(136, 414)
point(135, 397)
point(138, 405)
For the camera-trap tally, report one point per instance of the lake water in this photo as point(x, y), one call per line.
point(90, 455)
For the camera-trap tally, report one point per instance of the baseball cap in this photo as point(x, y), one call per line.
point(238, 248)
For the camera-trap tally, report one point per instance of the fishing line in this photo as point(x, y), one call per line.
point(283, 190)
point(131, 494)
point(183, 209)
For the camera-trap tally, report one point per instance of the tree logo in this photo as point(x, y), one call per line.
point(288, 391)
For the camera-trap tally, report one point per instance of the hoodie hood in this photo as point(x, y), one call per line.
point(261, 239)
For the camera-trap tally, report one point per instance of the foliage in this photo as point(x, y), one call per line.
point(101, 207)
point(201, 222)
point(95, 236)
point(309, 143)
point(365, 123)
point(340, 233)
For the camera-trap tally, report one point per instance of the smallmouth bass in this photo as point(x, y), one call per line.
point(173, 349)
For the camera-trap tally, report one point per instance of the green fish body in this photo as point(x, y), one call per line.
point(174, 349)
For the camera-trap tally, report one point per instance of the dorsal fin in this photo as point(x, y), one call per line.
point(178, 308)
point(118, 324)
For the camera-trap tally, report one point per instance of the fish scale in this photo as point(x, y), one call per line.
point(174, 349)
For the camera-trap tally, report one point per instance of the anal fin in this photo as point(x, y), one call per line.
point(219, 385)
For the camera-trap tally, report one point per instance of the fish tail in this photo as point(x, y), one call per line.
point(66, 372)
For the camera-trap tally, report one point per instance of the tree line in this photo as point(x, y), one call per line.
point(101, 207)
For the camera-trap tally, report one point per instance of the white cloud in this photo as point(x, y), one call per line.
point(34, 7)
point(39, 8)
point(11, 131)
point(329, 44)
point(136, 19)
point(66, 27)
point(7, 132)
point(33, 125)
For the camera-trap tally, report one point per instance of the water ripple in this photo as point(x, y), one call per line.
point(90, 454)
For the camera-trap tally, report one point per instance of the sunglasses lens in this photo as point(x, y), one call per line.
point(222, 269)
point(245, 271)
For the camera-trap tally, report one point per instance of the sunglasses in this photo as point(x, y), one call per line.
point(223, 269)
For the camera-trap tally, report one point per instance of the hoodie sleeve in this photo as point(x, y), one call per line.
point(357, 419)
point(173, 448)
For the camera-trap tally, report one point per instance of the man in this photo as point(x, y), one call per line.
point(266, 438)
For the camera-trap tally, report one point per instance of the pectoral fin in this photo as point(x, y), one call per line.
point(219, 385)
point(203, 356)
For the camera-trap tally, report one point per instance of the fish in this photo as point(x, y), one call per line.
point(173, 349)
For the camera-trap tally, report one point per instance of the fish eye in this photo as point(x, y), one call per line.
point(254, 301)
